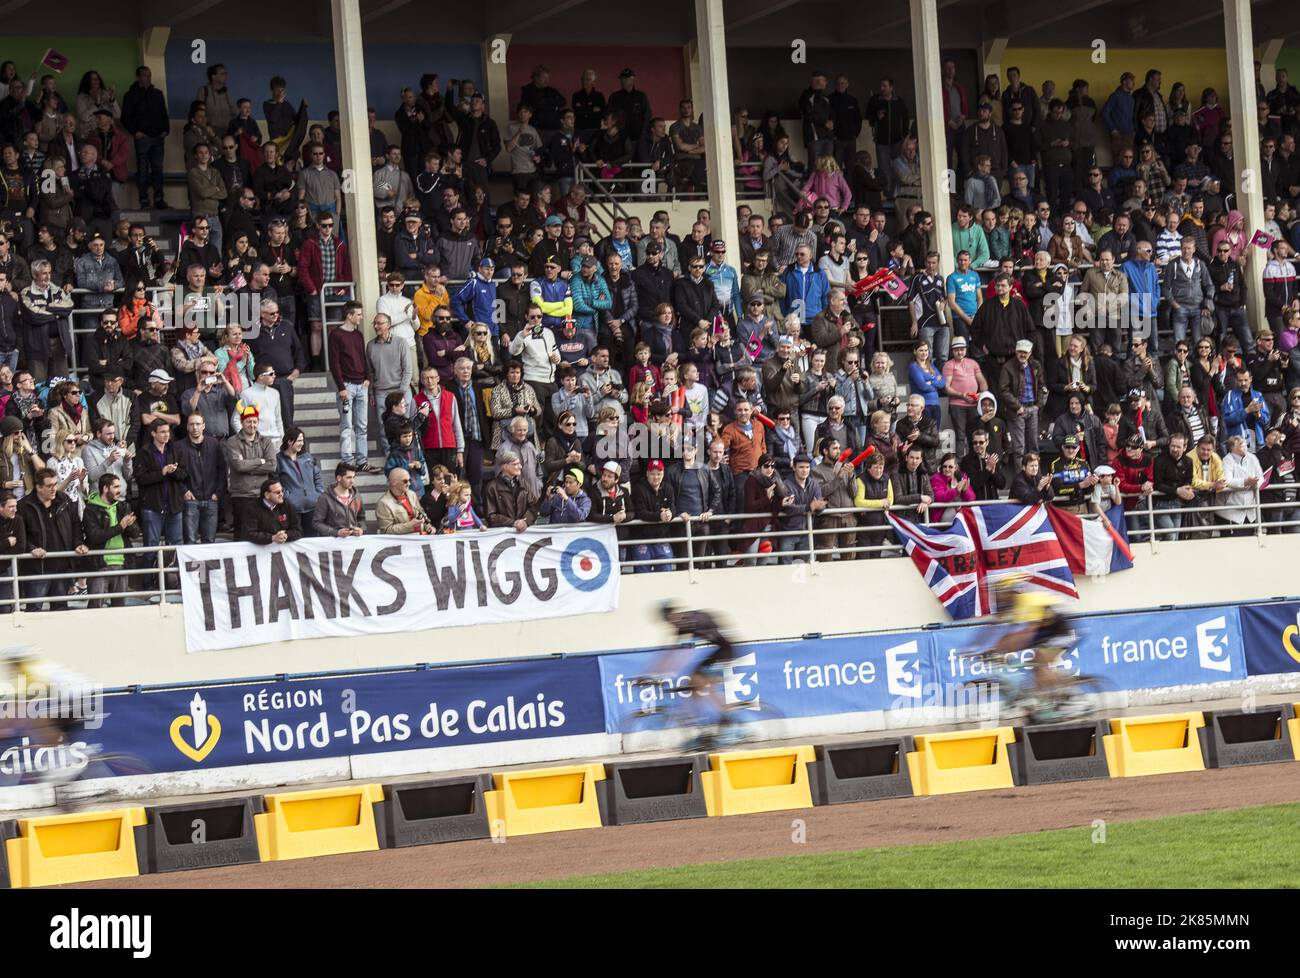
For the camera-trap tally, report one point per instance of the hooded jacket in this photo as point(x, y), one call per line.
point(102, 530)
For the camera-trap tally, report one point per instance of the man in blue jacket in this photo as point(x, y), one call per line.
point(1143, 291)
point(805, 287)
point(1117, 115)
point(475, 301)
point(1245, 413)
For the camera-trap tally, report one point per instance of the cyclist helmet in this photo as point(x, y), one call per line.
point(667, 609)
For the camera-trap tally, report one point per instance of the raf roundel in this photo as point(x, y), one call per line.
point(585, 564)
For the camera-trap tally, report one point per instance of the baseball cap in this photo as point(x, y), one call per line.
point(412, 216)
point(612, 466)
point(574, 473)
point(554, 221)
point(161, 376)
point(1135, 441)
point(1024, 346)
point(627, 73)
point(553, 260)
point(589, 261)
point(1070, 441)
point(718, 245)
point(97, 236)
point(654, 465)
point(1135, 393)
point(485, 260)
point(654, 248)
point(757, 300)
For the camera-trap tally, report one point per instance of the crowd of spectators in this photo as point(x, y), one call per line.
point(541, 370)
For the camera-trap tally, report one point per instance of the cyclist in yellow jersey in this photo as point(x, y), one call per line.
point(1029, 620)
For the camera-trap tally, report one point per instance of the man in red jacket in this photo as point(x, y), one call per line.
point(322, 258)
point(444, 439)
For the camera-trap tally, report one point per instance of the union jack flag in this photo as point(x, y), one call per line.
point(961, 563)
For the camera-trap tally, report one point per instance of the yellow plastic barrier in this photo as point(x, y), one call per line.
point(1293, 728)
point(551, 799)
point(963, 760)
point(74, 848)
point(1162, 744)
point(300, 824)
point(743, 782)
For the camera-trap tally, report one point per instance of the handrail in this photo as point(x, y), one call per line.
point(158, 562)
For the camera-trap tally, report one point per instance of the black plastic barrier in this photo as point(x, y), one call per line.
point(652, 791)
point(198, 835)
point(421, 813)
point(8, 830)
point(861, 771)
point(1233, 737)
point(1049, 753)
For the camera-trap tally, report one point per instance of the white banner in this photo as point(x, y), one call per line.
point(240, 594)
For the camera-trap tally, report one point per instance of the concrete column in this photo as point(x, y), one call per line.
point(495, 84)
point(710, 35)
point(991, 58)
point(936, 180)
point(359, 183)
point(153, 54)
point(1245, 143)
point(1269, 53)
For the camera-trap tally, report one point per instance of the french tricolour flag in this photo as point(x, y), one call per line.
point(1093, 547)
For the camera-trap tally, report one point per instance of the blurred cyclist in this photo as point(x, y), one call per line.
point(1029, 620)
point(704, 664)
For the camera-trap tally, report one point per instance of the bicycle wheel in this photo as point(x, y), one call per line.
point(1081, 698)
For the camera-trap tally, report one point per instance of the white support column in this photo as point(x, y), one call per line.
point(153, 54)
point(1245, 143)
point(991, 55)
point(495, 83)
point(1269, 53)
point(935, 176)
point(359, 190)
point(710, 33)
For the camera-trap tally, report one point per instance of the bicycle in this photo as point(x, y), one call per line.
point(1020, 698)
point(669, 709)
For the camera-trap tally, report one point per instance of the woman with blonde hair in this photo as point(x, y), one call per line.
point(889, 392)
point(71, 470)
point(827, 181)
point(235, 359)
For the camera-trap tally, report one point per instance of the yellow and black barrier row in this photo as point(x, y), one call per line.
point(99, 845)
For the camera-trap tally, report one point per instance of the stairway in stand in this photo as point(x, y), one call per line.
point(315, 411)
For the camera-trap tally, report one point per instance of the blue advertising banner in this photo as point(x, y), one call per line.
point(1141, 651)
point(812, 677)
point(1272, 636)
point(292, 721)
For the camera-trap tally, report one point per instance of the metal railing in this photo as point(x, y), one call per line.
point(696, 544)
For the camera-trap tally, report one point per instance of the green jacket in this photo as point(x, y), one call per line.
point(972, 240)
point(101, 527)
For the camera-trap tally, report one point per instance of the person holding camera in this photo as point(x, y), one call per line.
point(565, 502)
point(399, 510)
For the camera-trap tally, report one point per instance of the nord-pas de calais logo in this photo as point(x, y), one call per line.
point(204, 732)
point(903, 670)
point(1212, 644)
point(586, 564)
point(740, 682)
point(1289, 636)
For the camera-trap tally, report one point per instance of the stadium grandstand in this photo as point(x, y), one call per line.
point(329, 352)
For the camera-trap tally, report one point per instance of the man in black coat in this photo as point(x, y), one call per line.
point(270, 521)
point(50, 519)
point(160, 473)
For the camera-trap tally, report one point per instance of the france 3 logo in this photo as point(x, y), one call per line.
point(740, 682)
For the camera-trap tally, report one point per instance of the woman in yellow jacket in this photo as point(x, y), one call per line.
point(874, 493)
